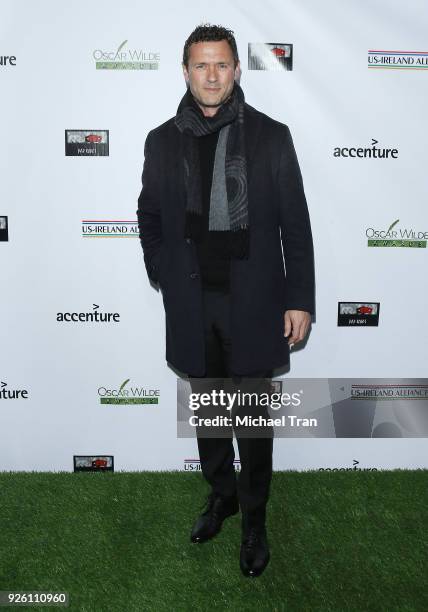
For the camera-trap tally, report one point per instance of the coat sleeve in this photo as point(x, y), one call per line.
point(149, 210)
point(296, 235)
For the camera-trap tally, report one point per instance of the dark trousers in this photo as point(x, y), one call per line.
point(217, 454)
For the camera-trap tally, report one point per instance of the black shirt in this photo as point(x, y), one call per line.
point(215, 269)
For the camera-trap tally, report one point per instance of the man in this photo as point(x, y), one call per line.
point(221, 208)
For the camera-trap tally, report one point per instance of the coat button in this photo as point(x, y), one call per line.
point(194, 275)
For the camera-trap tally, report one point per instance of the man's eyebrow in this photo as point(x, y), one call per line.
point(219, 62)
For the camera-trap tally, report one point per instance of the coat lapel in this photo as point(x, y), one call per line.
point(253, 126)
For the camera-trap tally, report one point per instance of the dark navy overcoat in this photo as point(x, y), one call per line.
point(277, 276)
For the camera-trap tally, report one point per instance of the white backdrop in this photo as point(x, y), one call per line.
point(330, 99)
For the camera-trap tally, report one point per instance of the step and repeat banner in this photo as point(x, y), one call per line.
point(83, 380)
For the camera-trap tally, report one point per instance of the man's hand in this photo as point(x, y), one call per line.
point(297, 323)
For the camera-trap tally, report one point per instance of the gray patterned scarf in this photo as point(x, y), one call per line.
point(228, 216)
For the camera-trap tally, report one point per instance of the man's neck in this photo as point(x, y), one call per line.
point(208, 111)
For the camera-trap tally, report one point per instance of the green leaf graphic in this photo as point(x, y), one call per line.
point(391, 226)
point(124, 43)
point(123, 384)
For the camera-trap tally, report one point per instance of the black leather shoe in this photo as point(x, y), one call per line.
point(209, 523)
point(254, 551)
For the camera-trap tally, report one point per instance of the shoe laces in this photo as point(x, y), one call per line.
point(252, 538)
point(213, 508)
point(208, 503)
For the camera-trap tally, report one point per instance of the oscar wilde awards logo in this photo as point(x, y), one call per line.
point(104, 228)
point(12, 394)
point(270, 56)
point(128, 394)
point(96, 316)
point(398, 60)
point(396, 237)
point(4, 229)
point(89, 143)
point(371, 152)
point(121, 59)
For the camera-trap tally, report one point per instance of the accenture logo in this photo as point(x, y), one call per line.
point(12, 394)
point(372, 152)
point(94, 316)
point(354, 468)
point(7, 60)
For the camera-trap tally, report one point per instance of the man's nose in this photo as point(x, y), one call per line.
point(212, 73)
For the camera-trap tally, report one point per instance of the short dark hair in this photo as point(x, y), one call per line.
point(207, 32)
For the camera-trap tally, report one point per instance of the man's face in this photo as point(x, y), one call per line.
point(211, 74)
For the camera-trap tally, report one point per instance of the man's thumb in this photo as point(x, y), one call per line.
point(287, 329)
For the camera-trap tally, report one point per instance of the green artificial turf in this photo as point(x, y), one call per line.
point(120, 542)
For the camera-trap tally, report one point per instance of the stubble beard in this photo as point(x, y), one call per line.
point(208, 105)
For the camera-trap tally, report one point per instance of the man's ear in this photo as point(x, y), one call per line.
point(185, 74)
point(238, 72)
